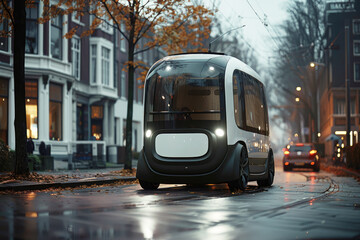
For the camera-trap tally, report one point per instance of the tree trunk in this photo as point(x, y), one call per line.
point(130, 105)
point(21, 166)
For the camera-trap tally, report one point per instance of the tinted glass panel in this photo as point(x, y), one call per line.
point(254, 104)
point(300, 148)
point(183, 90)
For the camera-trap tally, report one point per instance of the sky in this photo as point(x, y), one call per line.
point(235, 13)
point(257, 14)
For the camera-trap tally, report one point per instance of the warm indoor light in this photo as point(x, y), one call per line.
point(297, 99)
point(312, 64)
point(298, 89)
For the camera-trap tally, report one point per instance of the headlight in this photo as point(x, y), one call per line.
point(219, 132)
point(148, 133)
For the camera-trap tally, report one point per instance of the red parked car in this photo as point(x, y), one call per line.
point(301, 155)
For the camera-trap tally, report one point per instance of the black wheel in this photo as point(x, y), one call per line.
point(270, 173)
point(241, 183)
point(287, 168)
point(316, 169)
point(148, 185)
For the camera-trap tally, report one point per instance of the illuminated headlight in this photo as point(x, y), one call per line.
point(148, 133)
point(219, 132)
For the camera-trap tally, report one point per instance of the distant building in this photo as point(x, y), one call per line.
point(76, 89)
point(332, 90)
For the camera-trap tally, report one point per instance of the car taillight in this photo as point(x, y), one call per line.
point(286, 152)
point(312, 152)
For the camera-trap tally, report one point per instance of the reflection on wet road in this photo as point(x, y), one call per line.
point(300, 205)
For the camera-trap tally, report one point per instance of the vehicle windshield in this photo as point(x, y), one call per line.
point(183, 90)
point(305, 148)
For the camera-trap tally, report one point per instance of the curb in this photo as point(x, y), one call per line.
point(42, 186)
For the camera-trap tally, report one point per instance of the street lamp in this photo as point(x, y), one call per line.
point(312, 64)
point(298, 89)
point(297, 99)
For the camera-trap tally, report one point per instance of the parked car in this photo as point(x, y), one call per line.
point(301, 155)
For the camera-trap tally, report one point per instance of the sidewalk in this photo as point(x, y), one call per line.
point(66, 178)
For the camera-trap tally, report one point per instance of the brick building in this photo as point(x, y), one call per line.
point(332, 90)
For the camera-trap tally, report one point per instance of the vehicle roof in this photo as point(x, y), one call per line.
point(203, 56)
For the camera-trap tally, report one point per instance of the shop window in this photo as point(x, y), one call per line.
point(4, 94)
point(97, 114)
point(55, 112)
point(31, 105)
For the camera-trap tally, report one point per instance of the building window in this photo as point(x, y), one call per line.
point(4, 28)
point(356, 26)
point(93, 63)
point(82, 121)
point(55, 112)
point(4, 94)
point(56, 37)
point(31, 105)
point(123, 84)
point(357, 72)
point(97, 114)
point(105, 66)
point(356, 48)
point(75, 48)
point(340, 106)
point(31, 39)
point(122, 39)
point(116, 73)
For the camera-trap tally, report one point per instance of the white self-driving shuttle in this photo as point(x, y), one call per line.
point(205, 121)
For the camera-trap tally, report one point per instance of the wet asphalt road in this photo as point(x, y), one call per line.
point(300, 205)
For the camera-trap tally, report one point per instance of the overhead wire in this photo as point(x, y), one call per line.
point(232, 26)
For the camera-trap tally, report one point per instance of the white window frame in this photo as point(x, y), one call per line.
point(105, 66)
point(100, 43)
point(122, 39)
point(123, 84)
point(76, 38)
point(93, 54)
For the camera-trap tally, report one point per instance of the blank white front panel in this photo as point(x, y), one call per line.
point(181, 145)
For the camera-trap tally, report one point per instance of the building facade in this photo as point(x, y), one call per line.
point(332, 91)
point(76, 89)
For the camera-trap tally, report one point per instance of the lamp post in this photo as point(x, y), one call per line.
point(316, 100)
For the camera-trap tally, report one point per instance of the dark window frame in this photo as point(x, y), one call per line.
point(7, 108)
point(57, 26)
point(32, 21)
point(244, 107)
point(61, 108)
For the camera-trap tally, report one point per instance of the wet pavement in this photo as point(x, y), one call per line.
point(300, 205)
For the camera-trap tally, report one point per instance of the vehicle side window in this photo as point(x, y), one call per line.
point(238, 99)
point(265, 111)
point(254, 105)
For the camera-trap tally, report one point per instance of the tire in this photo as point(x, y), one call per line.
point(316, 169)
point(148, 185)
point(270, 172)
point(241, 183)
